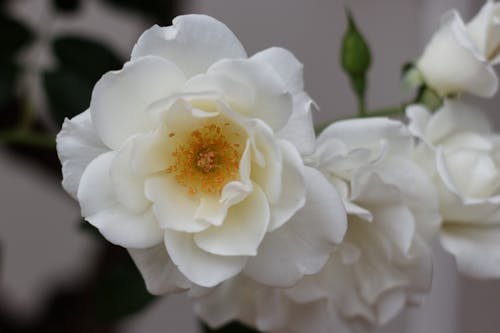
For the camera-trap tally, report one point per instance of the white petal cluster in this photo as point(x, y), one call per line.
point(384, 261)
point(203, 163)
point(392, 214)
point(189, 156)
point(460, 56)
point(460, 150)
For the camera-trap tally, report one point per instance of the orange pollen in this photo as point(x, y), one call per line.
point(206, 160)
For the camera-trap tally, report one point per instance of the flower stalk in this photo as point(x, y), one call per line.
point(27, 138)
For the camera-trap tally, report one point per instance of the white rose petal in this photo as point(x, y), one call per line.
point(452, 63)
point(100, 207)
point(484, 29)
point(193, 42)
point(128, 187)
point(199, 266)
point(455, 115)
point(244, 227)
point(77, 145)
point(173, 211)
point(160, 274)
point(126, 94)
point(293, 197)
point(228, 301)
point(476, 249)
point(303, 245)
point(298, 129)
point(270, 101)
point(286, 65)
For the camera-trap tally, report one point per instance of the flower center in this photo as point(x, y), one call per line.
point(206, 161)
point(207, 158)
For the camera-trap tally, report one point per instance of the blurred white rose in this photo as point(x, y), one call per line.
point(189, 156)
point(484, 30)
point(458, 58)
point(384, 261)
point(462, 153)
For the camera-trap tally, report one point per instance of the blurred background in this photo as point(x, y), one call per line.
point(56, 274)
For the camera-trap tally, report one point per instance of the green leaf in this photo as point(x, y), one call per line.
point(8, 73)
point(120, 291)
point(13, 37)
point(68, 93)
point(233, 327)
point(81, 63)
point(88, 58)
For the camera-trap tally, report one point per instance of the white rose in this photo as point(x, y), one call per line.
point(384, 261)
point(189, 156)
point(484, 30)
point(457, 59)
point(460, 150)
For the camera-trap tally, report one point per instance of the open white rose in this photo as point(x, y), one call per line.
point(384, 261)
point(461, 152)
point(189, 156)
point(458, 58)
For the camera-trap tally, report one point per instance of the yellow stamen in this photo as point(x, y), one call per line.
point(208, 158)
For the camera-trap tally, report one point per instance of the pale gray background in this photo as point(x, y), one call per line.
point(41, 247)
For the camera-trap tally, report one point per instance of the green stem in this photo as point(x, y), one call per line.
point(385, 112)
point(391, 111)
point(27, 116)
point(319, 128)
point(27, 138)
point(362, 106)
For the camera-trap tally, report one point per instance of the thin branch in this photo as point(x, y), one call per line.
point(27, 138)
